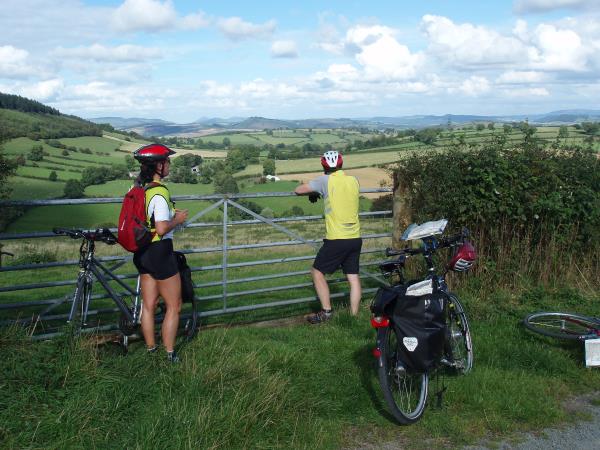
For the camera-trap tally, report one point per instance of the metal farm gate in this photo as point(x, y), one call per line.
point(27, 298)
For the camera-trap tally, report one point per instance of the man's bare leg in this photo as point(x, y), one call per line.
point(355, 292)
point(321, 287)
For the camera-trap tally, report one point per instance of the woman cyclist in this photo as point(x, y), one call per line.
point(156, 262)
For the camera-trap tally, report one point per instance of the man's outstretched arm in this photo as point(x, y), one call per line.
point(303, 189)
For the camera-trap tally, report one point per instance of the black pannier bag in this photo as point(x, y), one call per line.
point(420, 328)
point(187, 285)
point(385, 298)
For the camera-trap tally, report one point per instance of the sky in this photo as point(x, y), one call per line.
point(183, 60)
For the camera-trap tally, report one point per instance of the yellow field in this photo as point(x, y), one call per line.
point(369, 178)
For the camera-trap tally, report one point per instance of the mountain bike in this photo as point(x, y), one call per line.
point(128, 302)
point(448, 343)
point(563, 325)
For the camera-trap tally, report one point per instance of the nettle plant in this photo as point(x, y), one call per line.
point(529, 187)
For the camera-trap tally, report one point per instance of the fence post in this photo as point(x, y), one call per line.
point(225, 203)
point(402, 215)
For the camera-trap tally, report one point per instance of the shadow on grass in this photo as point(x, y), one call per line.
point(367, 368)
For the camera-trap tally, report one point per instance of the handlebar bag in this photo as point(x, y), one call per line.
point(187, 285)
point(420, 329)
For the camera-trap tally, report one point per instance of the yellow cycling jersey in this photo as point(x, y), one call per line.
point(152, 190)
point(341, 207)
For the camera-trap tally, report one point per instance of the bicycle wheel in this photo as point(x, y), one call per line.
point(562, 325)
point(192, 323)
point(459, 336)
point(404, 392)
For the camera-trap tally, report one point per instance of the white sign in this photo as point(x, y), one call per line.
point(410, 343)
point(592, 353)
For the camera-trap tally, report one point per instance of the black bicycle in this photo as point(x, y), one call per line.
point(128, 302)
point(448, 342)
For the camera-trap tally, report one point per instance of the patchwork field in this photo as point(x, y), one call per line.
point(369, 178)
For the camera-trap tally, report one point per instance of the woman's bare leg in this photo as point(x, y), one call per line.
point(170, 291)
point(150, 300)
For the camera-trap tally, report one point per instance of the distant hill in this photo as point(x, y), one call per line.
point(22, 117)
point(202, 126)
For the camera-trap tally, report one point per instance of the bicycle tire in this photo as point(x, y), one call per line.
point(562, 325)
point(459, 336)
point(405, 393)
point(192, 323)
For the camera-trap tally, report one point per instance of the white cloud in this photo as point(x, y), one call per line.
point(520, 77)
point(195, 21)
point(470, 46)
point(14, 62)
point(147, 15)
point(558, 49)
point(284, 49)
point(381, 55)
point(237, 29)
point(154, 16)
point(473, 86)
point(44, 91)
point(101, 53)
point(538, 6)
point(526, 92)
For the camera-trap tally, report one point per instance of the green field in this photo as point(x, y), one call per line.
point(368, 158)
point(28, 188)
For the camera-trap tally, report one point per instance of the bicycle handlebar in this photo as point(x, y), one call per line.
point(100, 234)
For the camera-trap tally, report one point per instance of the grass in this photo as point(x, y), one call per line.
point(293, 387)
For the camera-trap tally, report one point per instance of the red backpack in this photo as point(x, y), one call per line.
point(133, 233)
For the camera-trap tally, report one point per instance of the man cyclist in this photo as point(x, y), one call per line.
point(342, 243)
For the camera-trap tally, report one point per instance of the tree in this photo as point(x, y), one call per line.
point(53, 176)
point(225, 184)
point(130, 163)
point(480, 127)
point(226, 142)
point(491, 126)
point(7, 169)
point(563, 132)
point(36, 153)
point(506, 128)
point(74, 189)
point(269, 167)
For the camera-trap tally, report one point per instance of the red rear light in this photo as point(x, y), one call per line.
point(376, 352)
point(380, 322)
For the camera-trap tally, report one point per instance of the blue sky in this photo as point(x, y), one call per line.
point(182, 60)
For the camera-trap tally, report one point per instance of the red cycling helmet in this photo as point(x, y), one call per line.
point(332, 160)
point(464, 258)
point(152, 153)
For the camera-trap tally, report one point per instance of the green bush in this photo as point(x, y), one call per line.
point(528, 187)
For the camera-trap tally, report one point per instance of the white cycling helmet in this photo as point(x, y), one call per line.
point(331, 160)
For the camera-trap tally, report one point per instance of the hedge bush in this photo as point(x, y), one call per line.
point(529, 187)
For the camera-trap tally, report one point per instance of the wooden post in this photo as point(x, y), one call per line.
point(402, 215)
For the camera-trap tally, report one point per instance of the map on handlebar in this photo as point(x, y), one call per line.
point(415, 231)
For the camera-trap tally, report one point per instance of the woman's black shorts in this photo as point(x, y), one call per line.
point(157, 259)
point(339, 252)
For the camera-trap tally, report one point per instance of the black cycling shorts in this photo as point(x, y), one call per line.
point(336, 253)
point(157, 259)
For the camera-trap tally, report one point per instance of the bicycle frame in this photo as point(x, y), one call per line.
point(91, 268)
